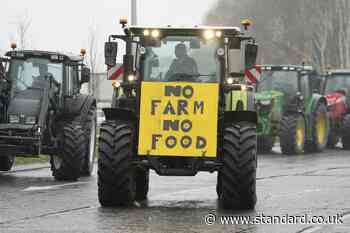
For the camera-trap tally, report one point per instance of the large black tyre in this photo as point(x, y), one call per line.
point(117, 184)
point(67, 164)
point(333, 139)
point(320, 129)
point(292, 134)
point(6, 162)
point(346, 133)
point(265, 144)
point(237, 178)
point(90, 128)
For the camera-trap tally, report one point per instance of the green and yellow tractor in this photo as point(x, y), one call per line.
point(289, 108)
point(181, 109)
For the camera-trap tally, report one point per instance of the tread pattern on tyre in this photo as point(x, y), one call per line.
point(72, 151)
point(346, 133)
point(238, 174)
point(265, 143)
point(116, 184)
point(287, 134)
point(86, 169)
point(6, 162)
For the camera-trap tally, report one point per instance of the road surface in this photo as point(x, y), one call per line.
point(313, 184)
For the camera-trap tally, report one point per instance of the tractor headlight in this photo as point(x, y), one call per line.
point(230, 81)
point(30, 120)
point(131, 78)
point(14, 119)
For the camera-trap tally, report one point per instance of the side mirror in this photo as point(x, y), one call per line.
point(251, 53)
point(235, 58)
point(111, 52)
point(85, 75)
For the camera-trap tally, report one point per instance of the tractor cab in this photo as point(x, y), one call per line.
point(287, 82)
point(337, 81)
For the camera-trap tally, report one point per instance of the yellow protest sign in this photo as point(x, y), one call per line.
point(178, 119)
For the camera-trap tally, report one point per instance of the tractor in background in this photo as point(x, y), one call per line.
point(336, 88)
point(43, 112)
point(290, 109)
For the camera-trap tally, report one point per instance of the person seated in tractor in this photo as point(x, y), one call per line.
point(183, 66)
point(41, 80)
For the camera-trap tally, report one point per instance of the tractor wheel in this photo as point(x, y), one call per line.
point(117, 179)
point(320, 130)
point(265, 144)
point(67, 164)
point(90, 142)
point(292, 134)
point(218, 185)
point(6, 162)
point(346, 133)
point(333, 139)
point(142, 184)
point(237, 177)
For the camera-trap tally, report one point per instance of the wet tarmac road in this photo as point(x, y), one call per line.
point(317, 185)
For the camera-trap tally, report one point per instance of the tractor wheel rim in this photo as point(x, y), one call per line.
point(321, 129)
point(57, 162)
point(300, 133)
point(92, 142)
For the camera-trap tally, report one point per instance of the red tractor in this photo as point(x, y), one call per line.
point(336, 88)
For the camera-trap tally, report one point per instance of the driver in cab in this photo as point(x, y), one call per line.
point(41, 80)
point(182, 64)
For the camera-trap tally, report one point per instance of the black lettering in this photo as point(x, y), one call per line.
point(169, 109)
point(186, 141)
point(186, 126)
point(170, 125)
point(187, 92)
point(171, 90)
point(154, 104)
point(170, 142)
point(201, 143)
point(182, 107)
point(155, 139)
point(198, 105)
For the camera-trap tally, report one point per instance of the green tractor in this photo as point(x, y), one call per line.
point(180, 110)
point(289, 108)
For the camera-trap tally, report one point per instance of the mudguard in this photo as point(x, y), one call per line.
point(239, 101)
point(315, 101)
point(240, 116)
point(79, 106)
point(112, 114)
point(240, 106)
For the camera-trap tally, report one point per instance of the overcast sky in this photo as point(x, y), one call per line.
point(63, 25)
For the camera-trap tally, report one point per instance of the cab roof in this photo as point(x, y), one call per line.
point(63, 57)
point(287, 67)
point(339, 71)
point(185, 31)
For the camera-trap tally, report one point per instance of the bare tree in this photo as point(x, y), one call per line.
point(23, 24)
point(313, 31)
point(93, 57)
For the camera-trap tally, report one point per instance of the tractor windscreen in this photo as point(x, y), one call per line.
point(283, 81)
point(33, 73)
point(182, 58)
point(337, 82)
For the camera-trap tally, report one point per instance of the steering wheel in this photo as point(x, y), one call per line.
point(181, 77)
